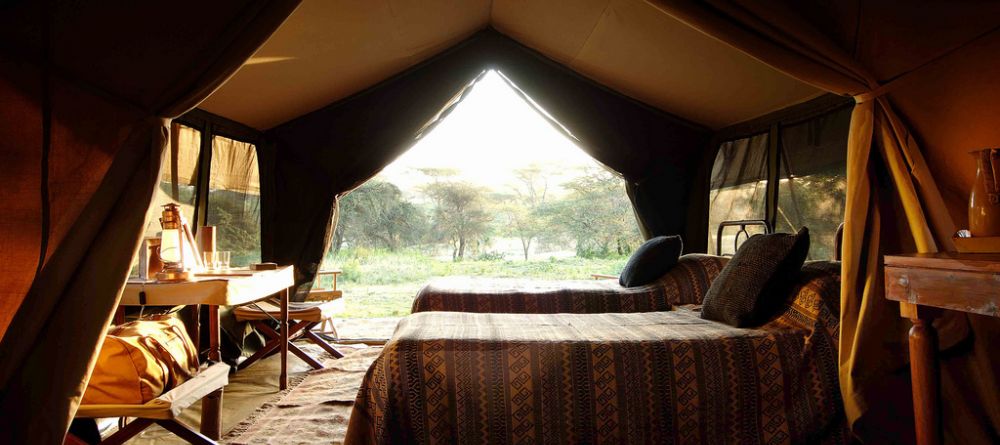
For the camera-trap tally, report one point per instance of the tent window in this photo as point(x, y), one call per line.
point(811, 159)
point(178, 179)
point(811, 191)
point(234, 199)
point(178, 175)
point(216, 180)
point(739, 186)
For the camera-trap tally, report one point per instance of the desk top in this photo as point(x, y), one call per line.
point(973, 262)
point(967, 282)
point(242, 287)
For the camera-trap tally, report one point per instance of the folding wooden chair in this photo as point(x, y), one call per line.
point(321, 293)
point(304, 315)
point(164, 409)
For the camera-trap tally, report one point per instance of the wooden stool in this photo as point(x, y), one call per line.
point(164, 409)
point(305, 315)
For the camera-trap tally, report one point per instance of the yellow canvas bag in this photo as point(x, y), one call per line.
point(141, 360)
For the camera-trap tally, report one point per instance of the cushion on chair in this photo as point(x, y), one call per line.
point(651, 260)
point(756, 280)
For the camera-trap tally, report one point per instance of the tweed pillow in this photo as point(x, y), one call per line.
point(757, 279)
point(651, 260)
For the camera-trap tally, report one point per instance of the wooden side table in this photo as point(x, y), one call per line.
point(229, 288)
point(925, 284)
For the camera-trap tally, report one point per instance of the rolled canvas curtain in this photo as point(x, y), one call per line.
point(324, 154)
point(83, 129)
point(806, 41)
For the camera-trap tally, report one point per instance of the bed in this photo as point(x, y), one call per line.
point(652, 377)
point(685, 283)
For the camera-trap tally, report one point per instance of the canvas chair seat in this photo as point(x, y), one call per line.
point(171, 403)
point(306, 315)
point(164, 409)
point(311, 311)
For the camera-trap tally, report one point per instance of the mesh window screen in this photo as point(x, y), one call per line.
point(234, 199)
point(811, 191)
point(739, 184)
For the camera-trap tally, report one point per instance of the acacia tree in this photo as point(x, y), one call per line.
point(597, 214)
point(378, 215)
point(521, 211)
point(460, 215)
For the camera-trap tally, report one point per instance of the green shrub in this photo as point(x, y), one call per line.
point(490, 256)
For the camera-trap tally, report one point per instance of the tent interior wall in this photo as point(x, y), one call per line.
point(85, 112)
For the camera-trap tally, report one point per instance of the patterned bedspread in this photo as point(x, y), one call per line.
point(686, 283)
point(654, 378)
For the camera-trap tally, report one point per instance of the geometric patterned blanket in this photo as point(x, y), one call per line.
point(643, 378)
point(685, 283)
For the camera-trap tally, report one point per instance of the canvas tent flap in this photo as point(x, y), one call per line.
point(88, 116)
point(326, 153)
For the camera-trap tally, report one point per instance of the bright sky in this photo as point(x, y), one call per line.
point(492, 132)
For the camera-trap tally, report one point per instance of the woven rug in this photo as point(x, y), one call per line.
point(316, 410)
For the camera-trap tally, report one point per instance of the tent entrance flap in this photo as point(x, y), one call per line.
point(324, 154)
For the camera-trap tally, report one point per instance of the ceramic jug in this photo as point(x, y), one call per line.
point(984, 201)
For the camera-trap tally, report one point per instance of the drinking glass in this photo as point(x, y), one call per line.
point(209, 258)
point(217, 260)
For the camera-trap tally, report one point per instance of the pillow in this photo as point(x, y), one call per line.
point(756, 281)
point(651, 260)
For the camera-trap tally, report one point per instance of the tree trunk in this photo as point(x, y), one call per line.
point(461, 248)
point(527, 247)
point(338, 241)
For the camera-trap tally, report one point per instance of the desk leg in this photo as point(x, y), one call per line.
point(926, 383)
point(284, 339)
point(211, 405)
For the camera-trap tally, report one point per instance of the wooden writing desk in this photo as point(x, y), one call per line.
point(232, 288)
point(924, 284)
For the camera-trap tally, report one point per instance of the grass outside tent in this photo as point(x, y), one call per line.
point(383, 284)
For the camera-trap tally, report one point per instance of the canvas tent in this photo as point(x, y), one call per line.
point(342, 86)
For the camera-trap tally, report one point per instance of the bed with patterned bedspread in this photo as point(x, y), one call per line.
point(643, 378)
point(686, 283)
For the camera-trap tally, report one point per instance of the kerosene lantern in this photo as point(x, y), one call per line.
point(176, 246)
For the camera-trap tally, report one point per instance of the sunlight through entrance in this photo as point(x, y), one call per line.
point(493, 190)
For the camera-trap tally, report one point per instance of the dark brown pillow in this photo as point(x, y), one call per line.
point(651, 260)
point(756, 281)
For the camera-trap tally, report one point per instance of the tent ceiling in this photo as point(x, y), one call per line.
point(328, 50)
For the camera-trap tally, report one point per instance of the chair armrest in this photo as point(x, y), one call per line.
point(602, 276)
